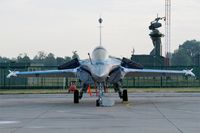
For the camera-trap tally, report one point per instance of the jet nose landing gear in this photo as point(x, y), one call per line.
point(98, 102)
point(105, 102)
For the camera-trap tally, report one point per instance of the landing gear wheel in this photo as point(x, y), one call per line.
point(97, 102)
point(76, 96)
point(125, 96)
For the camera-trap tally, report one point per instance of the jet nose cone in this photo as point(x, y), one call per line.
point(100, 76)
point(100, 73)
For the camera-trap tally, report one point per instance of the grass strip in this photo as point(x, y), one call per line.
point(130, 90)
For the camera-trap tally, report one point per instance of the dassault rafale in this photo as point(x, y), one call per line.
point(100, 69)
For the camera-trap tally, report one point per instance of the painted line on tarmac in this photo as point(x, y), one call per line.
point(9, 122)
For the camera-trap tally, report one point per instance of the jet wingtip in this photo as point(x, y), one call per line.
point(189, 72)
point(11, 74)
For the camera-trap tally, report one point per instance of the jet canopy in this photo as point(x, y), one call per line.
point(99, 53)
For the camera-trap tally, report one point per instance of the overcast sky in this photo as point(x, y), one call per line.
point(62, 26)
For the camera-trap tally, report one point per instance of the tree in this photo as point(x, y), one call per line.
point(50, 60)
point(192, 47)
point(39, 58)
point(186, 53)
point(60, 60)
point(4, 60)
point(23, 58)
point(180, 58)
point(67, 58)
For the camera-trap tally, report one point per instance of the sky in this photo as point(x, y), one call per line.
point(62, 26)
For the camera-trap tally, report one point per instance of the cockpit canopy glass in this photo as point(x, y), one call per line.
point(99, 54)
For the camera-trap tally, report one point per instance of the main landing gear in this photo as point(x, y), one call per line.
point(76, 96)
point(122, 94)
point(99, 102)
point(125, 96)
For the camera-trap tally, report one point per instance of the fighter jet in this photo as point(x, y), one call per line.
point(100, 69)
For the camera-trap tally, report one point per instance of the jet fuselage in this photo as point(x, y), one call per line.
point(101, 64)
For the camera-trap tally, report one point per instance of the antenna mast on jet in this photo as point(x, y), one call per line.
point(100, 21)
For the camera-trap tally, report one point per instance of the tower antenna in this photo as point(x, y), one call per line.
point(100, 21)
point(167, 29)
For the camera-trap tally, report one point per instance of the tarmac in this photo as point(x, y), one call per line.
point(144, 113)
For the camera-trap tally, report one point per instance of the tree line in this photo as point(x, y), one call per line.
point(187, 54)
point(46, 59)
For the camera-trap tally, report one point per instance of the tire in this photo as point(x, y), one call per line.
point(97, 103)
point(76, 96)
point(125, 96)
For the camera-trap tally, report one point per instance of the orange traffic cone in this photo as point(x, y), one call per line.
point(89, 90)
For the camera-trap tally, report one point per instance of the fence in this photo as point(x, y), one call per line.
point(134, 82)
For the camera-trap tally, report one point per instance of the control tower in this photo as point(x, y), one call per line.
point(155, 58)
point(156, 37)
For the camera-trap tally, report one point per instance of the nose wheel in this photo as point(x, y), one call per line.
point(100, 88)
point(98, 102)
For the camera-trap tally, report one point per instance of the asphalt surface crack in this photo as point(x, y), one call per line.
point(165, 117)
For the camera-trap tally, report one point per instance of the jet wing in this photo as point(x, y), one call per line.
point(156, 73)
point(45, 73)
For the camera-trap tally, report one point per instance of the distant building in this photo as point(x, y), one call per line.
point(149, 60)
